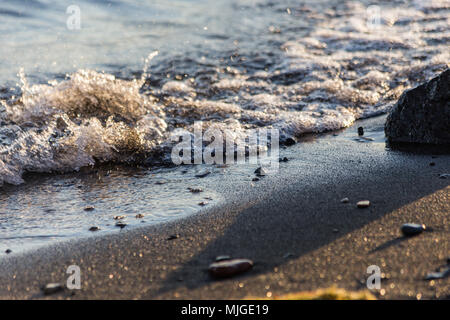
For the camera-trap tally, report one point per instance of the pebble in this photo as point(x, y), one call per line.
point(118, 217)
point(360, 131)
point(121, 224)
point(195, 190)
point(89, 208)
point(412, 229)
point(432, 164)
point(173, 237)
point(285, 159)
point(255, 179)
point(139, 216)
point(8, 251)
point(51, 288)
point(260, 172)
point(222, 258)
point(229, 268)
point(94, 228)
point(345, 200)
point(160, 182)
point(202, 174)
point(203, 203)
point(438, 275)
point(363, 204)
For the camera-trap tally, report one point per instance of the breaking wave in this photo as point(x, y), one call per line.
point(342, 70)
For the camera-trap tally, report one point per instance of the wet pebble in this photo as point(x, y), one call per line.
point(195, 190)
point(285, 159)
point(345, 200)
point(94, 228)
point(255, 179)
point(203, 203)
point(412, 229)
point(173, 237)
point(139, 216)
point(202, 174)
point(229, 268)
point(363, 204)
point(118, 217)
point(8, 251)
point(360, 131)
point(121, 224)
point(51, 288)
point(261, 172)
point(89, 208)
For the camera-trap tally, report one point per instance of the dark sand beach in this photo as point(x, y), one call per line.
point(291, 224)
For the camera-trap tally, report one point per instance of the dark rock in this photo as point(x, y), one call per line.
point(360, 131)
point(8, 251)
point(285, 159)
point(261, 172)
point(139, 216)
point(89, 208)
point(422, 114)
point(345, 200)
point(94, 228)
point(203, 203)
point(121, 224)
point(432, 164)
point(412, 229)
point(287, 141)
point(229, 268)
point(51, 288)
point(173, 237)
point(195, 190)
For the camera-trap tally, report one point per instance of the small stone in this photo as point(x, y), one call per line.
point(285, 159)
point(229, 268)
point(438, 275)
point(412, 229)
point(195, 190)
point(255, 179)
point(139, 216)
point(345, 200)
point(89, 208)
point(202, 174)
point(360, 131)
point(118, 217)
point(160, 182)
point(51, 288)
point(363, 204)
point(94, 228)
point(203, 203)
point(121, 224)
point(432, 164)
point(222, 258)
point(260, 172)
point(8, 251)
point(173, 237)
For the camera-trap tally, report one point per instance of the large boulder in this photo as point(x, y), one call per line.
point(422, 114)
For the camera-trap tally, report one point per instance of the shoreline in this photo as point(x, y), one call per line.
point(285, 223)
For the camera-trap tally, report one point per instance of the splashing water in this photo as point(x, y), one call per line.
point(313, 68)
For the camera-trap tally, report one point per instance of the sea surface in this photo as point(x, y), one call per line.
point(95, 90)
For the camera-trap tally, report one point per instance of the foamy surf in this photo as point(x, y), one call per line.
point(341, 70)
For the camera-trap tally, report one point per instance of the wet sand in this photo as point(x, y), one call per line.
point(292, 225)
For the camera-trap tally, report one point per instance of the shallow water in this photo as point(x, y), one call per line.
point(115, 90)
